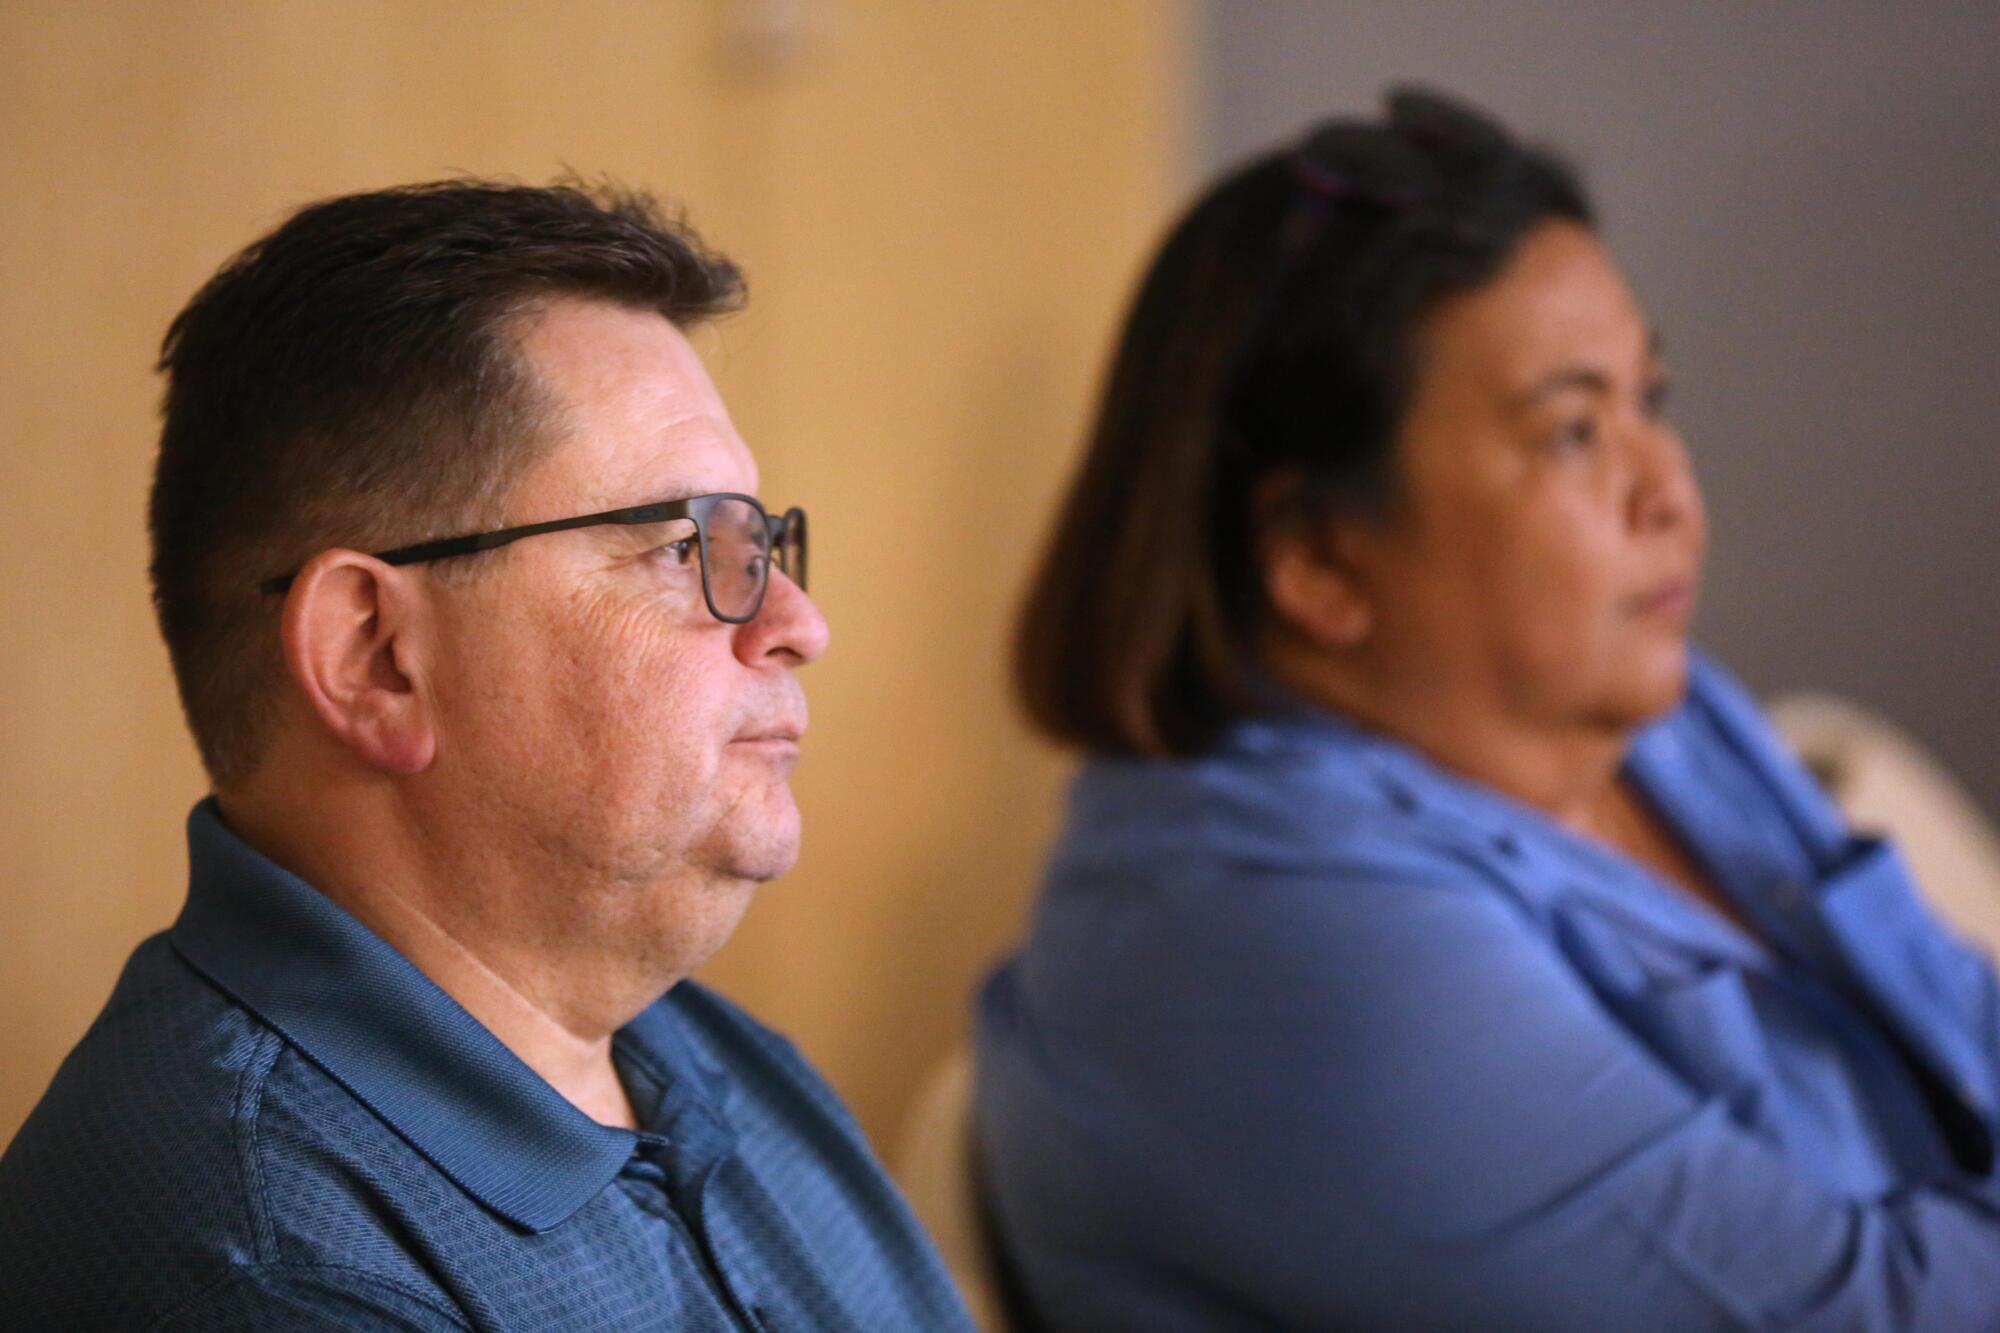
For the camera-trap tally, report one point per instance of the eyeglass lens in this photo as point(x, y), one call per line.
point(740, 551)
point(792, 545)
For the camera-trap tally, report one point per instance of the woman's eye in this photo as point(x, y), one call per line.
point(1579, 433)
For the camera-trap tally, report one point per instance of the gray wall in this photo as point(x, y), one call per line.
point(1807, 197)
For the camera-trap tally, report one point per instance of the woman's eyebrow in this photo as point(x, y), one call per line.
point(1587, 378)
point(1558, 381)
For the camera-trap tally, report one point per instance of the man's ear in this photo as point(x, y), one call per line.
point(1314, 589)
point(357, 641)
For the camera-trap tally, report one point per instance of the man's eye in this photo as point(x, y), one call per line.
point(681, 552)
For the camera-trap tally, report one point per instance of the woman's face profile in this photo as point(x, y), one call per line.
point(1547, 543)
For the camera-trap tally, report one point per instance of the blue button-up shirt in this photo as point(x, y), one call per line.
point(279, 1123)
point(1309, 1033)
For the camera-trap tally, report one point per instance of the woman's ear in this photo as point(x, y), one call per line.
point(1314, 590)
point(356, 642)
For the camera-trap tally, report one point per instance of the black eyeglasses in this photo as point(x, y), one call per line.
point(734, 538)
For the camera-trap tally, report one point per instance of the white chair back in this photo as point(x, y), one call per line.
point(1887, 783)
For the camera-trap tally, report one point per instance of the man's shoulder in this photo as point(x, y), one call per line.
point(781, 1108)
point(135, 1149)
point(713, 1018)
point(794, 1135)
point(742, 1053)
point(160, 1077)
point(173, 1148)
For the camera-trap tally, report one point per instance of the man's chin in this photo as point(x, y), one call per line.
point(754, 869)
point(756, 844)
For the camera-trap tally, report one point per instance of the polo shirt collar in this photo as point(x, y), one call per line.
point(387, 1033)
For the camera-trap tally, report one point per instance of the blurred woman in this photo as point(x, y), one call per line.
point(1436, 941)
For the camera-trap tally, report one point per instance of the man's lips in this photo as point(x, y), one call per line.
point(784, 733)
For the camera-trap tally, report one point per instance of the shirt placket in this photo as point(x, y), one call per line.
point(693, 1144)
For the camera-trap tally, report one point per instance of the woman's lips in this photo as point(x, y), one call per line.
point(1673, 600)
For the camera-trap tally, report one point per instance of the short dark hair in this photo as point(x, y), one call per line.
point(1276, 332)
point(351, 379)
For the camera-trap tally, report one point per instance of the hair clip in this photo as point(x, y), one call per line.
point(1316, 178)
point(1370, 153)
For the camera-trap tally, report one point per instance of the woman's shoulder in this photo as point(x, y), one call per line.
point(1279, 801)
point(1719, 742)
point(1258, 767)
point(1717, 698)
point(1719, 713)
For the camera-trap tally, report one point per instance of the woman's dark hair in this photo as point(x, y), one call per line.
point(1276, 334)
point(351, 380)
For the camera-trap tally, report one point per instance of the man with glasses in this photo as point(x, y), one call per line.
point(490, 653)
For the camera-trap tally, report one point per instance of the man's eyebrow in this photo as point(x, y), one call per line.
point(626, 499)
point(619, 533)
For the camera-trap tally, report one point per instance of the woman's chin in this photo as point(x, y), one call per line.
point(1655, 684)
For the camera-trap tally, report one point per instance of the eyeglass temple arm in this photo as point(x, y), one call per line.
point(446, 547)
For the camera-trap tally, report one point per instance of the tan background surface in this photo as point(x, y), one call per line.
point(940, 208)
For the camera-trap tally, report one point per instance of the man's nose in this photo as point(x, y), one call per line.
point(789, 626)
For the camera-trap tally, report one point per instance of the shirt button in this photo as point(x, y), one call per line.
point(1507, 845)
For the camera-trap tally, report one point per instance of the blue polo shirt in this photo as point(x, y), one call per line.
point(278, 1122)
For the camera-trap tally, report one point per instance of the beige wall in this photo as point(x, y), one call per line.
point(940, 208)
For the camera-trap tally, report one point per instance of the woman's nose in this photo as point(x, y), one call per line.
point(1664, 493)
